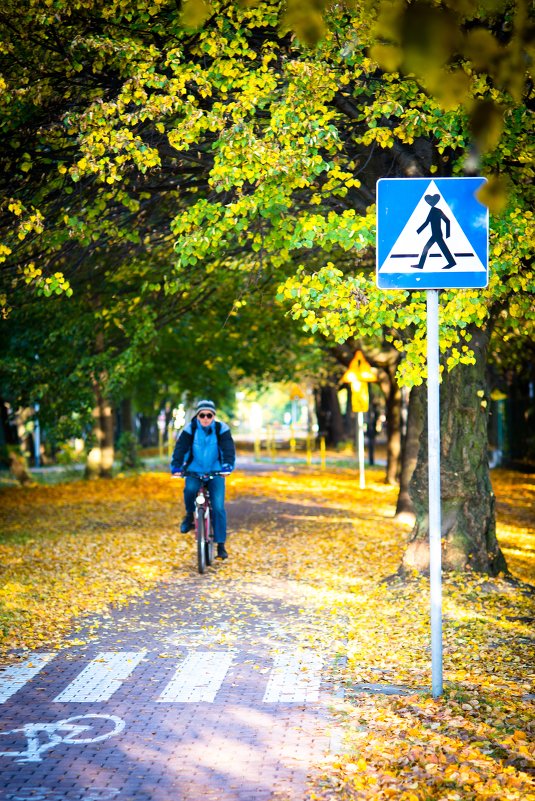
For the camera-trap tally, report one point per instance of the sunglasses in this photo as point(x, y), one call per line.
point(207, 415)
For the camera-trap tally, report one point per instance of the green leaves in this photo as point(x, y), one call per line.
point(143, 146)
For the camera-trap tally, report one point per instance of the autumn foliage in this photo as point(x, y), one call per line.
point(72, 551)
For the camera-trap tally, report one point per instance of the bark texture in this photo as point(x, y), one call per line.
point(329, 415)
point(468, 503)
point(392, 391)
point(100, 457)
point(409, 453)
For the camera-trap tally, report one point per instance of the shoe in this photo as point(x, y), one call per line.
point(221, 552)
point(187, 524)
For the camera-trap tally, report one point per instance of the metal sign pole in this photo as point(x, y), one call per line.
point(360, 445)
point(433, 428)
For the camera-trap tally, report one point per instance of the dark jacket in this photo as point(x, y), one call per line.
point(183, 453)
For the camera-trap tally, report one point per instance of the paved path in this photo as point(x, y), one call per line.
point(200, 690)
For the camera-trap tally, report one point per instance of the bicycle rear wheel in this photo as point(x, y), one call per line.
point(209, 539)
point(201, 543)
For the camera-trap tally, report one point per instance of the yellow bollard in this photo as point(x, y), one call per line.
point(309, 450)
point(322, 453)
point(292, 440)
point(160, 442)
point(257, 447)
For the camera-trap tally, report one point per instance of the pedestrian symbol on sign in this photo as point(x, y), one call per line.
point(435, 218)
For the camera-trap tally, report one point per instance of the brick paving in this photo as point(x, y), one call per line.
point(240, 746)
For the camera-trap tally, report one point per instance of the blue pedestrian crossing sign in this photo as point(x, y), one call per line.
point(431, 234)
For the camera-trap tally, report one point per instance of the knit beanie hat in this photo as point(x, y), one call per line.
point(205, 406)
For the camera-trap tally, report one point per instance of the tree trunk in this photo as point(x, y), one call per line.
point(468, 505)
point(4, 459)
point(101, 456)
point(329, 415)
point(126, 416)
point(392, 391)
point(409, 454)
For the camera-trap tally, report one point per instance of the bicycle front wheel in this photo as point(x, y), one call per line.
point(201, 542)
point(209, 539)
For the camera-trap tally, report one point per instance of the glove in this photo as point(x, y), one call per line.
point(227, 468)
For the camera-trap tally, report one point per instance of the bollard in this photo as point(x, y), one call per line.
point(160, 442)
point(309, 449)
point(170, 440)
point(257, 447)
point(292, 440)
point(322, 453)
point(360, 448)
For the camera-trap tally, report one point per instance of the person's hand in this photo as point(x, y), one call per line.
point(176, 475)
point(226, 469)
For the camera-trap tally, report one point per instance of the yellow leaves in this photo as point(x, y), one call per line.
point(31, 272)
point(493, 194)
point(194, 13)
point(389, 57)
point(4, 251)
point(15, 207)
point(33, 221)
point(329, 544)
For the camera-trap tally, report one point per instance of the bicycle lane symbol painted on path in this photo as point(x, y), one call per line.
point(233, 710)
point(67, 731)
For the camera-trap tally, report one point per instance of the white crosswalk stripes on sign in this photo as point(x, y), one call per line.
point(295, 678)
point(13, 677)
point(198, 678)
point(102, 677)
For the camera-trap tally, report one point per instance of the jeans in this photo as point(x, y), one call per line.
point(216, 488)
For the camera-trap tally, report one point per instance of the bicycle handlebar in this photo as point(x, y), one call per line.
point(200, 476)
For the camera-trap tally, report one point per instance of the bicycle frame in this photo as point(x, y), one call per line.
point(203, 521)
point(204, 509)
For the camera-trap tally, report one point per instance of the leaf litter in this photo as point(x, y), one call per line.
point(71, 553)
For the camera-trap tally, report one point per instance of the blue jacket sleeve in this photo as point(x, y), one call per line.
point(182, 451)
point(227, 448)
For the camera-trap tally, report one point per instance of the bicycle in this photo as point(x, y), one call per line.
point(204, 531)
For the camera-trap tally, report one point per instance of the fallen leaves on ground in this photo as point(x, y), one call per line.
point(73, 550)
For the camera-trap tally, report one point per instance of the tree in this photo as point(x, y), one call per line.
point(467, 323)
point(230, 136)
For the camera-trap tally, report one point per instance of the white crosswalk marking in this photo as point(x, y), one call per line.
point(102, 677)
point(295, 678)
point(13, 677)
point(198, 678)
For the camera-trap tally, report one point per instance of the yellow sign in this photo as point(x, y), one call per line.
point(359, 374)
point(360, 396)
point(296, 392)
point(360, 368)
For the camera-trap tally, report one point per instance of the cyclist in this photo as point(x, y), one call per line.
point(205, 446)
